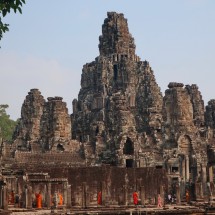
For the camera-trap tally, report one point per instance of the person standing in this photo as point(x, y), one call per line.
point(39, 199)
point(60, 197)
point(159, 201)
point(99, 198)
point(135, 197)
point(187, 196)
point(169, 198)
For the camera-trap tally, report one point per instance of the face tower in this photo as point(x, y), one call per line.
point(119, 102)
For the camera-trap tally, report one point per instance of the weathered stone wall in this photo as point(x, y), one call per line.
point(117, 184)
point(36, 160)
point(55, 126)
point(198, 105)
point(118, 99)
point(43, 125)
point(28, 128)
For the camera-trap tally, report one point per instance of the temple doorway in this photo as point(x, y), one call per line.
point(128, 147)
point(129, 163)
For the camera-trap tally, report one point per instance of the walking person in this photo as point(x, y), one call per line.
point(159, 201)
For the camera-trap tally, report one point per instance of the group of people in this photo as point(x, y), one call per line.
point(37, 199)
point(55, 200)
point(137, 200)
point(13, 198)
point(171, 198)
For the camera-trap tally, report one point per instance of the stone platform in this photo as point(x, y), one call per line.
point(171, 210)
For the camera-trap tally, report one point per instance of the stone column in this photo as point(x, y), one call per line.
point(178, 194)
point(69, 197)
point(29, 197)
point(162, 194)
point(125, 195)
point(204, 181)
point(16, 186)
point(211, 174)
point(103, 192)
point(65, 185)
point(4, 199)
point(142, 195)
point(183, 169)
point(187, 168)
point(48, 194)
point(1, 196)
point(84, 195)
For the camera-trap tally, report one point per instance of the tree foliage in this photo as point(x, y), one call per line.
point(5, 7)
point(7, 125)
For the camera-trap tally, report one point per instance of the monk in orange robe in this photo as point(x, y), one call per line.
point(39, 200)
point(60, 199)
point(187, 195)
point(99, 198)
point(11, 198)
point(135, 198)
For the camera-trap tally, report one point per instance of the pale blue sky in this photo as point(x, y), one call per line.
point(49, 43)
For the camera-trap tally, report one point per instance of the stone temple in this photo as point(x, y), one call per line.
point(122, 131)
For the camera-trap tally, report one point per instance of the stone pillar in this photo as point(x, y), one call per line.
point(65, 185)
point(125, 195)
point(142, 195)
point(48, 195)
point(178, 194)
point(69, 197)
point(162, 194)
point(187, 168)
point(1, 196)
point(4, 199)
point(103, 192)
point(198, 191)
point(84, 195)
point(204, 181)
point(183, 169)
point(211, 174)
point(28, 197)
point(16, 186)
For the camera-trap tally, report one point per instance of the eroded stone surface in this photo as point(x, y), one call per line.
point(121, 118)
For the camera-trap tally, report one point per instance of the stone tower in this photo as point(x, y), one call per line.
point(119, 98)
point(28, 129)
point(55, 126)
point(45, 125)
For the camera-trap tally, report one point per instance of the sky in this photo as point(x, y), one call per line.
point(51, 40)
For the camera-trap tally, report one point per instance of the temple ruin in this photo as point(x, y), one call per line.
point(123, 135)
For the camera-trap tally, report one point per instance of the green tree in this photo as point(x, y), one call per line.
point(5, 7)
point(7, 125)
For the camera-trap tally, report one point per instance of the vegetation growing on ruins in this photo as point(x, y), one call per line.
point(5, 7)
point(7, 125)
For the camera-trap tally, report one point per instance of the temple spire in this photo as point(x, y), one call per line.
point(115, 38)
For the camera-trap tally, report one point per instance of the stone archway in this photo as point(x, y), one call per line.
point(184, 144)
point(128, 147)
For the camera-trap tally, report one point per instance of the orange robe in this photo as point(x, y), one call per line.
point(99, 198)
point(39, 200)
point(135, 198)
point(11, 198)
point(187, 197)
point(60, 199)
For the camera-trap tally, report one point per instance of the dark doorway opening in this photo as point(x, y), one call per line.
point(128, 147)
point(129, 163)
point(115, 69)
point(159, 167)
